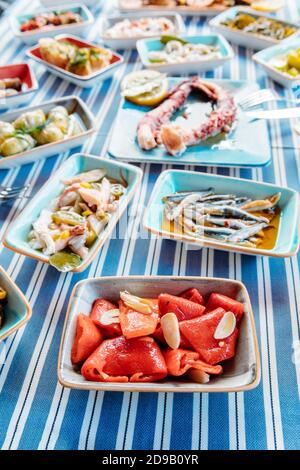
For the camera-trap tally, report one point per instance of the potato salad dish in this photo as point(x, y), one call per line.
point(35, 128)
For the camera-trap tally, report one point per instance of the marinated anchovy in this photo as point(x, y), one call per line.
point(228, 217)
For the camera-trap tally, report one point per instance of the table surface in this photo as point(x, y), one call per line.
point(37, 413)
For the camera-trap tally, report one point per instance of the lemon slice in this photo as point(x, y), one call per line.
point(267, 6)
point(145, 87)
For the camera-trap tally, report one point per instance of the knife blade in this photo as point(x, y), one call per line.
point(273, 114)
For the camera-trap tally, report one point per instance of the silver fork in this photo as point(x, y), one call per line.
point(15, 192)
point(263, 96)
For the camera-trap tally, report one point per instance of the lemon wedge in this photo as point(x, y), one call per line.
point(267, 6)
point(145, 87)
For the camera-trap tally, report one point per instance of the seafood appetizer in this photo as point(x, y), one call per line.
point(194, 5)
point(49, 20)
point(177, 50)
point(141, 27)
point(227, 217)
point(67, 229)
point(145, 87)
point(10, 86)
point(288, 64)
point(81, 61)
point(35, 128)
point(260, 26)
point(3, 300)
point(155, 127)
point(147, 339)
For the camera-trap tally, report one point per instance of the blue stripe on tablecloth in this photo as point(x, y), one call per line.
point(36, 412)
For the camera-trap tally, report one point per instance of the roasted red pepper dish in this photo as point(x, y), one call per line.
point(148, 339)
point(46, 20)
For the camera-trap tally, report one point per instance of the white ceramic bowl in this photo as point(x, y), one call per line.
point(82, 81)
point(144, 46)
point(241, 38)
point(240, 373)
point(74, 105)
point(32, 37)
point(130, 43)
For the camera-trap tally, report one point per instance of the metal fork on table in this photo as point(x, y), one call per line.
point(264, 96)
point(7, 193)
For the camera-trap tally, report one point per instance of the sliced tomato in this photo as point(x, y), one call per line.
point(88, 337)
point(193, 295)
point(184, 309)
point(101, 306)
point(227, 303)
point(200, 333)
point(135, 324)
point(179, 361)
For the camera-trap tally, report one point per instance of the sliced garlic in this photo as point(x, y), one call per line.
point(170, 328)
point(198, 376)
point(226, 326)
point(136, 303)
point(110, 317)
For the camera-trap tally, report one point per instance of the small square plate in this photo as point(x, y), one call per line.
point(145, 46)
point(130, 42)
point(239, 148)
point(16, 237)
point(241, 373)
point(17, 310)
point(86, 81)
point(242, 38)
point(29, 83)
point(31, 37)
point(170, 181)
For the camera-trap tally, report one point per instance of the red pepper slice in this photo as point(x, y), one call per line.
point(179, 361)
point(101, 306)
point(184, 309)
point(122, 360)
point(135, 324)
point(87, 339)
point(200, 333)
point(227, 303)
point(193, 295)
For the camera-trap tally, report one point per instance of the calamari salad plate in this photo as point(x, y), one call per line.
point(175, 57)
point(241, 215)
point(35, 132)
point(81, 22)
point(246, 145)
point(122, 32)
point(241, 372)
point(274, 61)
point(75, 212)
point(16, 311)
point(107, 61)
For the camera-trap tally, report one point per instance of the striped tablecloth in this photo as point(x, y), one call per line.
point(37, 413)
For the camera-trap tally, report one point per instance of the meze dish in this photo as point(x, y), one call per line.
point(155, 128)
point(142, 339)
point(287, 63)
point(177, 50)
point(36, 128)
point(3, 301)
point(141, 27)
point(50, 19)
point(227, 217)
point(77, 60)
point(67, 229)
